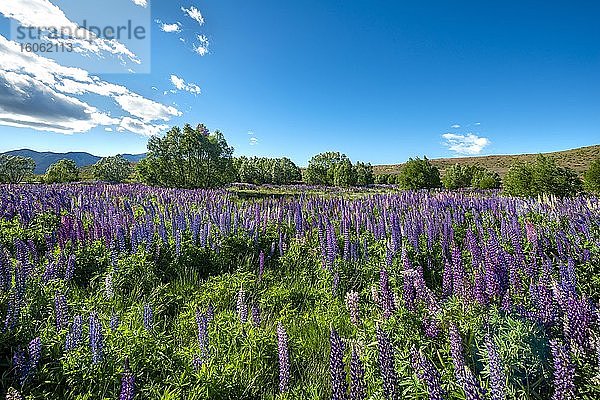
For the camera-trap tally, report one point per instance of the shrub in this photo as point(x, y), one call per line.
point(419, 174)
point(15, 169)
point(485, 179)
point(592, 176)
point(112, 169)
point(542, 176)
point(62, 171)
point(458, 176)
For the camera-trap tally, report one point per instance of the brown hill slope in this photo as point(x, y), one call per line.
point(577, 159)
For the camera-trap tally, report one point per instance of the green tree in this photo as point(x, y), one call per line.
point(343, 174)
point(485, 179)
point(363, 173)
point(591, 177)
point(15, 169)
point(419, 174)
point(188, 158)
point(284, 172)
point(381, 178)
point(539, 177)
point(321, 168)
point(458, 176)
point(62, 171)
point(112, 169)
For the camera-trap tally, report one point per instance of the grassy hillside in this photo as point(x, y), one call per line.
point(577, 159)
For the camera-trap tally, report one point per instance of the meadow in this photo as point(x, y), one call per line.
point(127, 291)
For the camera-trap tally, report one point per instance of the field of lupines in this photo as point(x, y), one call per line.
point(123, 292)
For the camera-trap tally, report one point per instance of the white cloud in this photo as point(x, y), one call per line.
point(253, 141)
point(455, 126)
point(202, 47)
point(146, 109)
point(169, 28)
point(180, 84)
point(38, 93)
point(194, 14)
point(44, 15)
point(141, 3)
point(477, 123)
point(140, 127)
point(469, 144)
point(108, 129)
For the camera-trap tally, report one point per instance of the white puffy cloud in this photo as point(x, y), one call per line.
point(202, 47)
point(43, 15)
point(141, 3)
point(455, 126)
point(180, 84)
point(469, 144)
point(140, 127)
point(169, 28)
point(194, 14)
point(146, 109)
point(39, 93)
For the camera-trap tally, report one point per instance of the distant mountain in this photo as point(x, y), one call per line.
point(44, 159)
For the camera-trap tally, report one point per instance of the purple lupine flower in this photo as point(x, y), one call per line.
point(114, 322)
point(470, 385)
point(459, 280)
point(108, 287)
point(148, 317)
point(20, 364)
point(447, 280)
point(579, 318)
point(352, 303)
point(35, 353)
point(127, 383)
point(70, 268)
point(241, 306)
point(387, 297)
point(336, 282)
point(210, 313)
point(256, 315)
point(431, 325)
point(96, 338)
point(564, 371)
point(202, 323)
point(409, 293)
point(463, 374)
point(60, 311)
point(261, 264)
point(5, 271)
point(25, 364)
point(284, 359)
point(358, 391)
point(74, 335)
point(13, 311)
point(428, 374)
point(178, 243)
point(497, 376)
point(387, 364)
point(337, 368)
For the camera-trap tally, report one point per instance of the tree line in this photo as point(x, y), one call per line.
point(196, 158)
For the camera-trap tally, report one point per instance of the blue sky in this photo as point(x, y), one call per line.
point(379, 81)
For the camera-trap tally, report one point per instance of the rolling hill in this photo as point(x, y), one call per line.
point(577, 159)
point(44, 159)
